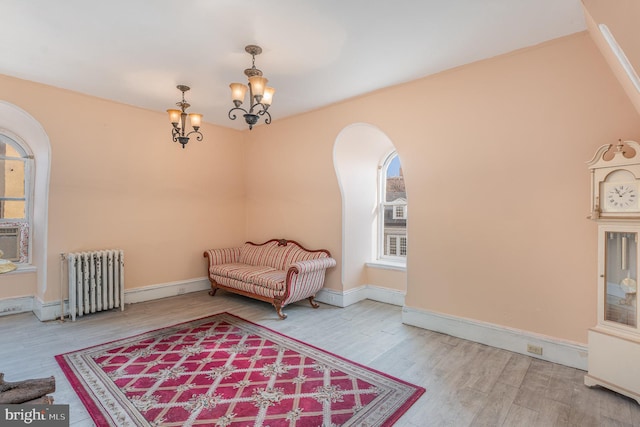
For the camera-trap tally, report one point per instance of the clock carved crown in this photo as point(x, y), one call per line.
point(615, 181)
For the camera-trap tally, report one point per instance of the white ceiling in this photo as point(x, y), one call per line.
point(315, 52)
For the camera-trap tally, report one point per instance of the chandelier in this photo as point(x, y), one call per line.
point(260, 95)
point(178, 119)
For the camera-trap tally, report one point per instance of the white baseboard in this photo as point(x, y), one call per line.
point(553, 350)
point(51, 310)
point(165, 290)
point(16, 305)
point(46, 311)
point(388, 296)
point(340, 299)
point(352, 296)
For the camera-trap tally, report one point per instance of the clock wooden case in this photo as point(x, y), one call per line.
point(614, 342)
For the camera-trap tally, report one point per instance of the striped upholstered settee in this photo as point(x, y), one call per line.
point(278, 271)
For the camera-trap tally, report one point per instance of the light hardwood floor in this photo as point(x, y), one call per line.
point(468, 384)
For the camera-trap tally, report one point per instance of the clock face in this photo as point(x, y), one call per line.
point(621, 197)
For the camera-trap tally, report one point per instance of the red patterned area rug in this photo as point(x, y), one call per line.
point(226, 371)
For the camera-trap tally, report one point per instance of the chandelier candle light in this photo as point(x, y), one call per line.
point(260, 95)
point(178, 119)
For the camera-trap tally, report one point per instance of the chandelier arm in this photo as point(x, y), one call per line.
point(265, 113)
point(198, 134)
point(267, 119)
point(233, 116)
point(175, 133)
point(263, 110)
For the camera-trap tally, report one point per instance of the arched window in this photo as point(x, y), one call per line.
point(15, 200)
point(392, 211)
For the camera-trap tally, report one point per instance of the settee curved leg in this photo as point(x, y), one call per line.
point(213, 290)
point(278, 306)
point(312, 302)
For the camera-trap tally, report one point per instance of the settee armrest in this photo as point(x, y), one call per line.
point(222, 256)
point(302, 267)
point(306, 278)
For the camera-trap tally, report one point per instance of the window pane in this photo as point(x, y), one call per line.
point(394, 209)
point(10, 243)
point(8, 150)
point(399, 212)
point(393, 250)
point(403, 246)
point(14, 191)
point(11, 178)
point(395, 181)
point(12, 208)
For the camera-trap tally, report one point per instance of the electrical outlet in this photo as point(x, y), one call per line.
point(181, 290)
point(534, 349)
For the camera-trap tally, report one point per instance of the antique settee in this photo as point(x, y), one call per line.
point(278, 271)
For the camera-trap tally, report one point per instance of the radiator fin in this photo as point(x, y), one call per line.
point(96, 281)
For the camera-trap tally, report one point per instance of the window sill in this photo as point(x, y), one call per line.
point(387, 265)
point(22, 268)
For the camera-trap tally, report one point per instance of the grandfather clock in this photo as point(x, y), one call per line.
point(614, 342)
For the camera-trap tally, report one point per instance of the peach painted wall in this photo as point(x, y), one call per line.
point(118, 181)
point(386, 278)
point(14, 285)
point(494, 162)
point(621, 17)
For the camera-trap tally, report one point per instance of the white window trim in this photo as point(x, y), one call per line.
point(388, 264)
point(15, 121)
point(21, 269)
point(26, 223)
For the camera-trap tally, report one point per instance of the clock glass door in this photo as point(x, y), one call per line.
point(620, 299)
